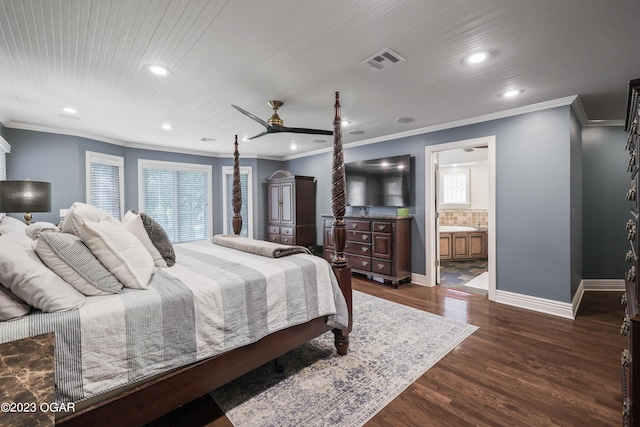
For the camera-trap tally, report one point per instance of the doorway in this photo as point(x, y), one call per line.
point(467, 241)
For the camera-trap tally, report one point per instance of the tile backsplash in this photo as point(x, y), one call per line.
point(468, 217)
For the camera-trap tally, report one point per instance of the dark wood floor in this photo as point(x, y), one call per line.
point(520, 368)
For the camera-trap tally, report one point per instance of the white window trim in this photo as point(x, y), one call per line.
point(105, 159)
point(247, 170)
point(187, 167)
point(446, 170)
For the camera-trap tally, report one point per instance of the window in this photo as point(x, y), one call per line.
point(454, 188)
point(105, 182)
point(227, 200)
point(178, 197)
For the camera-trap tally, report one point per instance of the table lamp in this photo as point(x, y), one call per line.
point(25, 196)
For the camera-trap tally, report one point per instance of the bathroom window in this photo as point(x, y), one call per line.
point(454, 188)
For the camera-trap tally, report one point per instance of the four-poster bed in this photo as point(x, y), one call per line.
point(153, 398)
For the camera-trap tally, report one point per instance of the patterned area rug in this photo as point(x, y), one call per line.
point(392, 345)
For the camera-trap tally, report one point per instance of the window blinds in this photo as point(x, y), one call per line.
point(177, 200)
point(105, 188)
point(244, 212)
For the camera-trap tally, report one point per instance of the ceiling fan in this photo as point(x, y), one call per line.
point(275, 123)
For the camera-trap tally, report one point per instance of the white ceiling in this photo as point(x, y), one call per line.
point(92, 55)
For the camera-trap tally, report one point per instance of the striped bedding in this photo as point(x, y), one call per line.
point(214, 299)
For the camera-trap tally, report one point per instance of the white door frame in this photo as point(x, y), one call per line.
point(430, 201)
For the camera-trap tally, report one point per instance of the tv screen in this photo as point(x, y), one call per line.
point(379, 182)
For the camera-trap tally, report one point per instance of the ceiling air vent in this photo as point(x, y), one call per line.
point(383, 60)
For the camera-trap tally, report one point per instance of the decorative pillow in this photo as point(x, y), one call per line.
point(38, 227)
point(11, 307)
point(119, 250)
point(158, 237)
point(22, 272)
point(133, 223)
point(71, 259)
point(9, 224)
point(78, 211)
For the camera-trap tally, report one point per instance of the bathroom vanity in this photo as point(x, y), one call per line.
point(459, 243)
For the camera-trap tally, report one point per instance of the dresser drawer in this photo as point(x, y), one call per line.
point(275, 238)
point(358, 225)
point(274, 229)
point(382, 227)
point(359, 262)
point(286, 240)
point(287, 231)
point(358, 249)
point(381, 266)
point(358, 236)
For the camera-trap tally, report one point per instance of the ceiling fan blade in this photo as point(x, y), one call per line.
point(251, 116)
point(305, 130)
point(260, 134)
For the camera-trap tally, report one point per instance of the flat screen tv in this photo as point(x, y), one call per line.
point(379, 182)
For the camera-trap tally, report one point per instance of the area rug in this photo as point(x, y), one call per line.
point(392, 345)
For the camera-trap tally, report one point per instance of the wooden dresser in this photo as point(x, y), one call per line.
point(291, 209)
point(630, 359)
point(378, 246)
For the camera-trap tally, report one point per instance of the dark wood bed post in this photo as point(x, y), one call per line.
point(338, 205)
point(237, 191)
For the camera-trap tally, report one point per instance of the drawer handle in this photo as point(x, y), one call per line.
point(381, 227)
point(354, 225)
point(380, 266)
point(624, 329)
point(365, 263)
point(365, 237)
point(286, 231)
point(629, 256)
point(625, 358)
point(365, 249)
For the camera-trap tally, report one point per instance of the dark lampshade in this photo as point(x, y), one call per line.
point(25, 196)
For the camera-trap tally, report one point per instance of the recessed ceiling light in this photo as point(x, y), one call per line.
point(404, 119)
point(293, 146)
point(167, 126)
point(70, 110)
point(206, 139)
point(477, 57)
point(356, 132)
point(511, 93)
point(158, 70)
point(345, 123)
point(319, 141)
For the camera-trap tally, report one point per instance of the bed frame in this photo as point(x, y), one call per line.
point(152, 399)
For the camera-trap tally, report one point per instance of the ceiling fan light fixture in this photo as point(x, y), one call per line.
point(275, 120)
point(167, 126)
point(70, 110)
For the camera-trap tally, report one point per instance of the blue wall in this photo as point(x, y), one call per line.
point(605, 183)
point(533, 196)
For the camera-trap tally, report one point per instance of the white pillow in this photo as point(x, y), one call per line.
point(78, 211)
point(68, 256)
point(22, 272)
point(119, 250)
point(133, 223)
point(38, 227)
point(9, 224)
point(11, 307)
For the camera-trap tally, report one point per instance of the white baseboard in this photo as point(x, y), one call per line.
point(604, 285)
point(542, 305)
point(419, 279)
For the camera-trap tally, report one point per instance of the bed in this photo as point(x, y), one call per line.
point(224, 308)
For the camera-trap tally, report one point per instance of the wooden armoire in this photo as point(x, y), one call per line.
point(291, 205)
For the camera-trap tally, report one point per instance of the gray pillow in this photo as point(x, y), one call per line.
point(68, 256)
point(158, 237)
